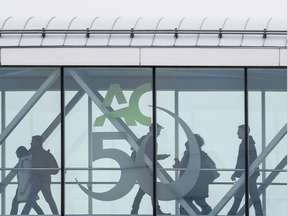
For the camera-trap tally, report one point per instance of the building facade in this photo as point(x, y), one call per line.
point(93, 87)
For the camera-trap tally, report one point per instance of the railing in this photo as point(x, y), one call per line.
point(132, 32)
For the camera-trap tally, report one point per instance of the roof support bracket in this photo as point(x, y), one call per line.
point(220, 33)
point(265, 33)
point(43, 33)
point(132, 33)
point(87, 32)
point(176, 33)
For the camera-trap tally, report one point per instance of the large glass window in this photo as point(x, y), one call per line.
point(268, 127)
point(110, 113)
point(30, 105)
point(185, 143)
point(207, 105)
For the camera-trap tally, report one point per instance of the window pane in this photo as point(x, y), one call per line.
point(211, 103)
point(30, 104)
point(110, 110)
point(267, 117)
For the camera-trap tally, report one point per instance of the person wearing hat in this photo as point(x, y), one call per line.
point(149, 153)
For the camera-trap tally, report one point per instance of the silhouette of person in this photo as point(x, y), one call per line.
point(41, 179)
point(24, 184)
point(252, 154)
point(149, 153)
point(200, 191)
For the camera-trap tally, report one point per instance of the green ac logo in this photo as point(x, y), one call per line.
point(132, 113)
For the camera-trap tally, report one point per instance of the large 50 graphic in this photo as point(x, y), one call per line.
point(167, 189)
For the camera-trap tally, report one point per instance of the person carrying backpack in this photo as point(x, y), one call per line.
point(200, 191)
point(24, 184)
point(41, 179)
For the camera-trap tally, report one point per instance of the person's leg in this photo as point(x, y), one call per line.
point(159, 211)
point(237, 200)
point(37, 208)
point(46, 191)
point(137, 201)
point(35, 188)
point(206, 209)
point(158, 208)
point(15, 204)
point(255, 196)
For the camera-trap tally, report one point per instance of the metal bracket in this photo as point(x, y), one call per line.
point(176, 33)
point(132, 33)
point(87, 32)
point(220, 33)
point(43, 32)
point(265, 33)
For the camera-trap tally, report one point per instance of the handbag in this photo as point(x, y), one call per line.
point(23, 197)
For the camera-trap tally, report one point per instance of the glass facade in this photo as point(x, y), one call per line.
point(145, 140)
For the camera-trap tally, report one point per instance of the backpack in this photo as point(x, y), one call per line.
point(211, 175)
point(50, 162)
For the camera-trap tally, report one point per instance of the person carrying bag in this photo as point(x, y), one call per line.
point(24, 184)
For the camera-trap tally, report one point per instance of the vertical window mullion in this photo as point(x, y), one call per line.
point(3, 148)
point(62, 97)
point(154, 142)
point(246, 143)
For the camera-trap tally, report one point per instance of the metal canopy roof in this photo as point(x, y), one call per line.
point(181, 32)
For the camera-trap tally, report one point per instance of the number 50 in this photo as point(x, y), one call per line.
point(130, 171)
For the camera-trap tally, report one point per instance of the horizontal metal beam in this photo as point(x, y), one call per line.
point(132, 31)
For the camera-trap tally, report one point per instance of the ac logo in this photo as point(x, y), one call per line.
point(132, 113)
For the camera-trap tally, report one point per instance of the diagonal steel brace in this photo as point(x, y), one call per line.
point(252, 168)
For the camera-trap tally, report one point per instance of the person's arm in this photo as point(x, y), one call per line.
point(240, 162)
point(177, 163)
point(162, 156)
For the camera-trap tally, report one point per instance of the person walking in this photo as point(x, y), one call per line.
point(200, 191)
point(149, 152)
point(252, 154)
point(24, 184)
point(40, 179)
